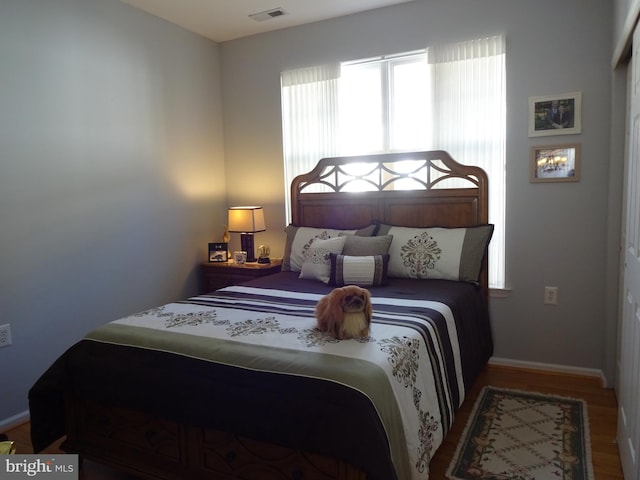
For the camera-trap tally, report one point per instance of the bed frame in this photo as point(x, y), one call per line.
point(448, 194)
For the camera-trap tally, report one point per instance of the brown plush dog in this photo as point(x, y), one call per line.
point(345, 312)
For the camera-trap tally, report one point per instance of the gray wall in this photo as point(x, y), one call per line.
point(556, 233)
point(111, 173)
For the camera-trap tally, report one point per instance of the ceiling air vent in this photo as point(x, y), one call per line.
point(268, 14)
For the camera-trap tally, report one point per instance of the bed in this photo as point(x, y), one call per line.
point(239, 384)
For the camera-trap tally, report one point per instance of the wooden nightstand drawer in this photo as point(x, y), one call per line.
point(217, 275)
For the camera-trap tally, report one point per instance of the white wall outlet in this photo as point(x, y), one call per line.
point(551, 295)
point(5, 335)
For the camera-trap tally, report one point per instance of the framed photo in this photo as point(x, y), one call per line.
point(218, 252)
point(555, 115)
point(555, 163)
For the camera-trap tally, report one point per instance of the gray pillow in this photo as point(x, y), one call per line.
point(366, 246)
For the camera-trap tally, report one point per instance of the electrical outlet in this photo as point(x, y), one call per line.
point(551, 295)
point(5, 335)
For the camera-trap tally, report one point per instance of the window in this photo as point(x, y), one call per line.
point(382, 105)
point(450, 97)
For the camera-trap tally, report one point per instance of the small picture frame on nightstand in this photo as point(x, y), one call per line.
point(218, 252)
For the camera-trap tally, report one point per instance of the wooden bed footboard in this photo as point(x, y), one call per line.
point(154, 448)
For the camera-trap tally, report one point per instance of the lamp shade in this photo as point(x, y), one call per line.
point(246, 219)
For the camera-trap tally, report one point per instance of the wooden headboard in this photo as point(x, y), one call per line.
point(415, 189)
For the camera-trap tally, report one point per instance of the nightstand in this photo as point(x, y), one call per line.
point(216, 275)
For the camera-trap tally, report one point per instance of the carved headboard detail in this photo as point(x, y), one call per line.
point(414, 189)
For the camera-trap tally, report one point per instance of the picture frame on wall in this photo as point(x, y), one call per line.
point(218, 252)
point(555, 163)
point(555, 114)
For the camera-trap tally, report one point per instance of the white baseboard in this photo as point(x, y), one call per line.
point(11, 422)
point(551, 367)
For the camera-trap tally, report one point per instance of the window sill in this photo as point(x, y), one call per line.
point(499, 292)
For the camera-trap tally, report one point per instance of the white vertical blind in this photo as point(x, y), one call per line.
point(309, 119)
point(469, 108)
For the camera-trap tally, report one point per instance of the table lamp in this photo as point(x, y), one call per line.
point(246, 221)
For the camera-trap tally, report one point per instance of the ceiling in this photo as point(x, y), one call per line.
point(222, 20)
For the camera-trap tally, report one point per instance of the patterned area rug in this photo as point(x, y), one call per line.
point(519, 435)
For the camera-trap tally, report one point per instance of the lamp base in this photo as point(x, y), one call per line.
point(246, 241)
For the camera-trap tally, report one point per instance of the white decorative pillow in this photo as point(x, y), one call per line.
point(364, 271)
point(317, 260)
point(299, 240)
point(436, 252)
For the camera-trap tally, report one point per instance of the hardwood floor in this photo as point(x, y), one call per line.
point(602, 407)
